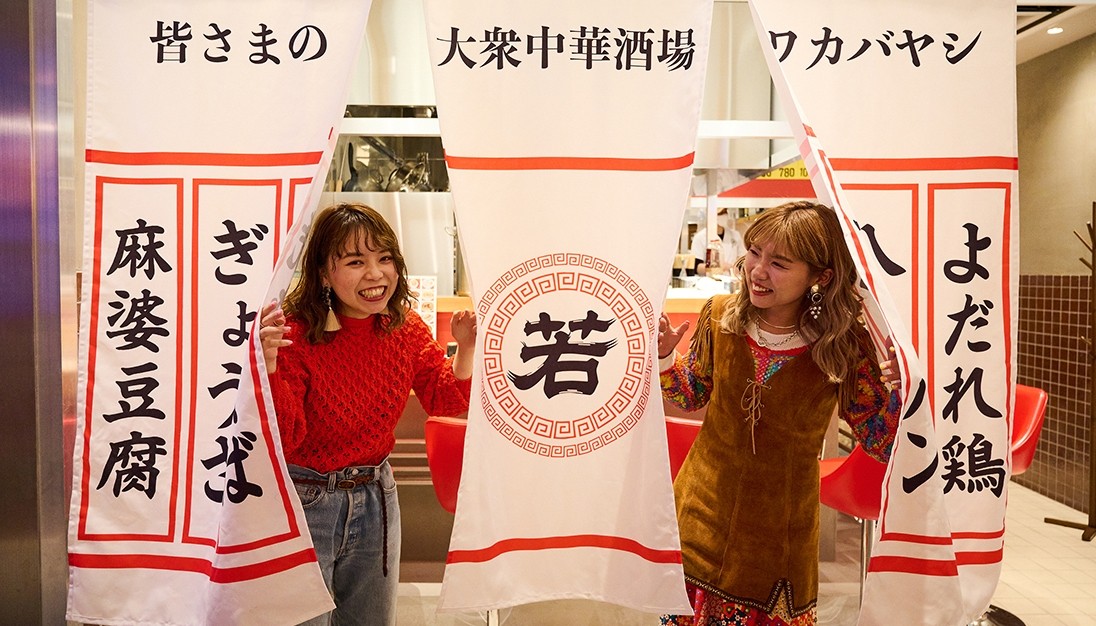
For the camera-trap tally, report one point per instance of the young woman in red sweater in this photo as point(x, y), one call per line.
point(342, 358)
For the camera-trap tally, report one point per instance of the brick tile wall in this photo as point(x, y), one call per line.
point(1053, 318)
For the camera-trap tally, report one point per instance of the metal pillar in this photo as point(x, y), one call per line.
point(33, 522)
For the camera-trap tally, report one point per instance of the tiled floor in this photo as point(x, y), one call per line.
point(1048, 579)
point(1049, 575)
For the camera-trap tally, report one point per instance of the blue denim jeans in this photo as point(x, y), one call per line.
point(354, 518)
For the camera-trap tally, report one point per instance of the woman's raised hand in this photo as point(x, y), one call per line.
point(463, 326)
point(890, 375)
point(271, 330)
point(669, 336)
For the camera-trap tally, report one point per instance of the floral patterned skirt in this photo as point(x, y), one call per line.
point(712, 610)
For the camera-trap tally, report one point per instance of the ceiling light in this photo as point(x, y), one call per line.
point(1054, 30)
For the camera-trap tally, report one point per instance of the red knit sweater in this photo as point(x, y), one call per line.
point(338, 402)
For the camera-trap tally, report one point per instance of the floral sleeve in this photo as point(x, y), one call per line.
point(684, 385)
point(874, 411)
point(688, 383)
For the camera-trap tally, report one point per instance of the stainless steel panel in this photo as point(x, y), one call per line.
point(32, 527)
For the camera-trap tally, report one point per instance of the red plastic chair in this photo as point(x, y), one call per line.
point(680, 434)
point(1027, 424)
point(853, 485)
point(445, 457)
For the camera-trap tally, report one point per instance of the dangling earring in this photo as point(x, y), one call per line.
point(815, 308)
point(332, 323)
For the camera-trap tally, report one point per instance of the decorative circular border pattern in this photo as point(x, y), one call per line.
point(594, 277)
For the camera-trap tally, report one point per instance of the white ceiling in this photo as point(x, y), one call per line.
point(1034, 18)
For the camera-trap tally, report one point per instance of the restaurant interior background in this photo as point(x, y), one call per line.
point(390, 156)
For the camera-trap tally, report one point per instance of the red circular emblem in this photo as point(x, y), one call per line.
point(566, 352)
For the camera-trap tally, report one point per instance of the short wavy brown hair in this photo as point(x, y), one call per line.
point(334, 234)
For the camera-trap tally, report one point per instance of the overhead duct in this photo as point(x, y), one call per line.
point(736, 87)
point(394, 65)
point(402, 176)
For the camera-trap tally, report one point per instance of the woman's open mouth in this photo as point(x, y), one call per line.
point(373, 294)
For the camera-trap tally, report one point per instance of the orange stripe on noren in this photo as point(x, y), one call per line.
point(201, 158)
point(556, 543)
point(920, 539)
point(942, 540)
point(979, 558)
point(569, 163)
point(936, 163)
point(992, 534)
point(934, 567)
point(193, 564)
point(909, 565)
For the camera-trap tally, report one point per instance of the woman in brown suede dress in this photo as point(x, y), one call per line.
point(771, 363)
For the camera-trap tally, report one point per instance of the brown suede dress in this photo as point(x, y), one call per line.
point(749, 521)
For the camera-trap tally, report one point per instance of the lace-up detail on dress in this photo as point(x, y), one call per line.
point(751, 404)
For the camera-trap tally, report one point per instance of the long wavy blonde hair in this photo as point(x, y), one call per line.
point(810, 232)
point(334, 234)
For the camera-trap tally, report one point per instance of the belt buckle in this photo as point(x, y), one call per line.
point(346, 484)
